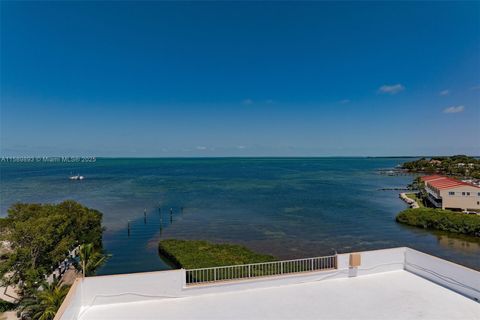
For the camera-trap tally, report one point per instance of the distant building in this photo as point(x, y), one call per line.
point(448, 193)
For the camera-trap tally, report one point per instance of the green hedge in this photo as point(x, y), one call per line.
point(444, 220)
point(192, 254)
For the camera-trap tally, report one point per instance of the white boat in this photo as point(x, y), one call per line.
point(77, 177)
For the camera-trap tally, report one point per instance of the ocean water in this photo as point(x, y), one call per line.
point(288, 207)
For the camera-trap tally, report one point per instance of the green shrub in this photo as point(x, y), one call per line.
point(444, 220)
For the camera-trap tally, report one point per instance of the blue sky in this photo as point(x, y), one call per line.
point(239, 79)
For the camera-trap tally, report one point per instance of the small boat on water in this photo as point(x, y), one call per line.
point(77, 177)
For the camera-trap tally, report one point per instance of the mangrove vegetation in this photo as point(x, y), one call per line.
point(192, 254)
point(444, 220)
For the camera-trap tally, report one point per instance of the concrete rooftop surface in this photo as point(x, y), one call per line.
point(389, 295)
point(398, 283)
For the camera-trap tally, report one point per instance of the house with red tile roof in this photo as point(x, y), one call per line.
point(448, 193)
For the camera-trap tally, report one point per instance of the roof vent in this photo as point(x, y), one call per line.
point(355, 260)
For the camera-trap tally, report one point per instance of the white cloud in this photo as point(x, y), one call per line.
point(201, 148)
point(454, 109)
point(241, 147)
point(247, 102)
point(444, 92)
point(391, 89)
point(344, 101)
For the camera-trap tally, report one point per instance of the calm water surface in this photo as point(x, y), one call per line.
point(288, 207)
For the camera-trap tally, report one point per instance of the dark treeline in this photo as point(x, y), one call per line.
point(459, 166)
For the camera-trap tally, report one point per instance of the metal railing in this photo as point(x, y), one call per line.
point(255, 270)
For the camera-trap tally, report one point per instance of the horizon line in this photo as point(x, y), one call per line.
point(251, 156)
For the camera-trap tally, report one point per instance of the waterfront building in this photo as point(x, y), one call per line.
point(448, 193)
point(397, 283)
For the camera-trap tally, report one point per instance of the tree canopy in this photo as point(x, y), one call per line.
point(40, 236)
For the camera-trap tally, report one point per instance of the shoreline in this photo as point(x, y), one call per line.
point(412, 203)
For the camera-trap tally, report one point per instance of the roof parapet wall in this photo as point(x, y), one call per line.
point(130, 288)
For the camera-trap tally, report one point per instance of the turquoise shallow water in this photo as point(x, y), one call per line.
point(288, 207)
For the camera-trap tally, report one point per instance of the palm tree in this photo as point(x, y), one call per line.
point(90, 259)
point(45, 302)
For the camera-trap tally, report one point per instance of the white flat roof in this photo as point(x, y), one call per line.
point(388, 295)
